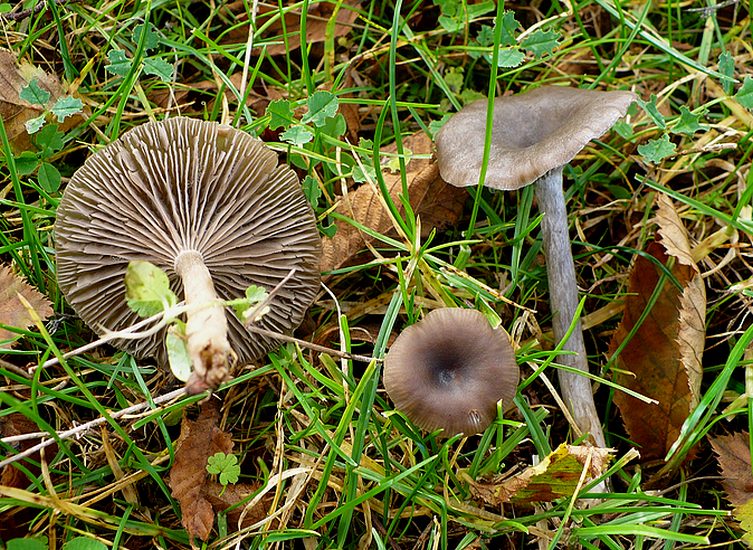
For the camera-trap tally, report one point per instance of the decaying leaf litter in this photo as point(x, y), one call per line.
point(659, 214)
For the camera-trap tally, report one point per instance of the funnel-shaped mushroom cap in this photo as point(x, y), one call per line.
point(449, 370)
point(532, 133)
point(185, 185)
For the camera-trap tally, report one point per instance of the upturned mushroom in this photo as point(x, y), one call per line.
point(210, 206)
point(534, 135)
point(449, 370)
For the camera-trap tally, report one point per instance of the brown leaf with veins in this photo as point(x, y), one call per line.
point(434, 201)
point(199, 439)
point(663, 359)
point(733, 452)
point(12, 311)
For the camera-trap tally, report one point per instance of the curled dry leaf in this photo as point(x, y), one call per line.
point(733, 453)
point(12, 311)
point(663, 358)
point(556, 476)
point(14, 111)
point(435, 202)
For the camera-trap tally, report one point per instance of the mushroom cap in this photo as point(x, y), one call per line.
point(532, 133)
point(449, 370)
point(183, 184)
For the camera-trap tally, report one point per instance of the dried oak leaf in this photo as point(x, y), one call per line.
point(199, 439)
point(733, 453)
point(12, 311)
point(14, 111)
point(435, 202)
point(663, 359)
point(556, 476)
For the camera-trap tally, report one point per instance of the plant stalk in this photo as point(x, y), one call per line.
point(563, 292)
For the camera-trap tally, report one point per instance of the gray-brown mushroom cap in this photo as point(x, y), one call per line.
point(449, 370)
point(532, 133)
point(187, 187)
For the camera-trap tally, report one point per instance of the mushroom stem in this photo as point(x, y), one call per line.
point(206, 325)
point(563, 290)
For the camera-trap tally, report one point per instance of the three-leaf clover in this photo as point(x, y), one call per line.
point(226, 466)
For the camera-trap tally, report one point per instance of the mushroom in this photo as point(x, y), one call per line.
point(210, 206)
point(450, 370)
point(534, 135)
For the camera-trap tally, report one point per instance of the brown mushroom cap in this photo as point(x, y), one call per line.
point(449, 370)
point(532, 133)
point(185, 185)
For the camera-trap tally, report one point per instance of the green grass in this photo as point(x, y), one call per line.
point(348, 469)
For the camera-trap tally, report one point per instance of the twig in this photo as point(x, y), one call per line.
point(23, 14)
point(73, 432)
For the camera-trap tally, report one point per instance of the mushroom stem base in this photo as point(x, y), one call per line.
point(563, 290)
point(206, 325)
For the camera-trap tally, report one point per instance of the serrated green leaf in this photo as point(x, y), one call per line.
point(311, 190)
point(510, 57)
point(34, 93)
point(177, 353)
point(281, 114)
point(297, 135)
point(687, 123)
point(485, 36)
point(321, 105)
point(148, 289)
point(744, 95)
point(119, 63)
point(509, 29)
point(151, 40)
point(541, 42)
point(49, 177)
point(67, 106)
point(656, 150)
point(154, 66)
point(34, 124)
point(726, 65)
point(84, 543)
point(653, 111)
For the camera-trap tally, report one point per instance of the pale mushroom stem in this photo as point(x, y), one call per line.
point(206, 325)
point(563, 290)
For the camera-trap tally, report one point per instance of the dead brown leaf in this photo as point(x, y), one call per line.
point(14, 111)
point(12, 311)
point(556, 476)
point(436, 203)
point(198, 440)
point(663, 359)
point(733, 452)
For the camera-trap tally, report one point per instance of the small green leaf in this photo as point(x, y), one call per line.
point(653, 111)
point(687, 123)
point(744, 95)
point(281, 114)
point(148, 289)
point(454, 79)
point(451, 23)
point(26, 163)
point(509, 29)
point(34, 93)
point(34, 124)
point(119, 63)
point(656, 150)
point(485, 36)
point(36, 543)
point(436, 125)
point(311, 190)
point(226, 466)
point(321, 105)
point(67, 106)
point(84, 543)
point(727, 68)
point(297, 135)
point(177, 352)
point(335, 126)
point(477, 10)
point(49, 177)
point(49, 140)
point(5, 7)
point(510, 57)
point(623, 128)
point(541, 42)
point(246, 309)
point(154, 66)
point(151, 40)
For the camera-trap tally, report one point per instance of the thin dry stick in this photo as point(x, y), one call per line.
point(73, 432)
